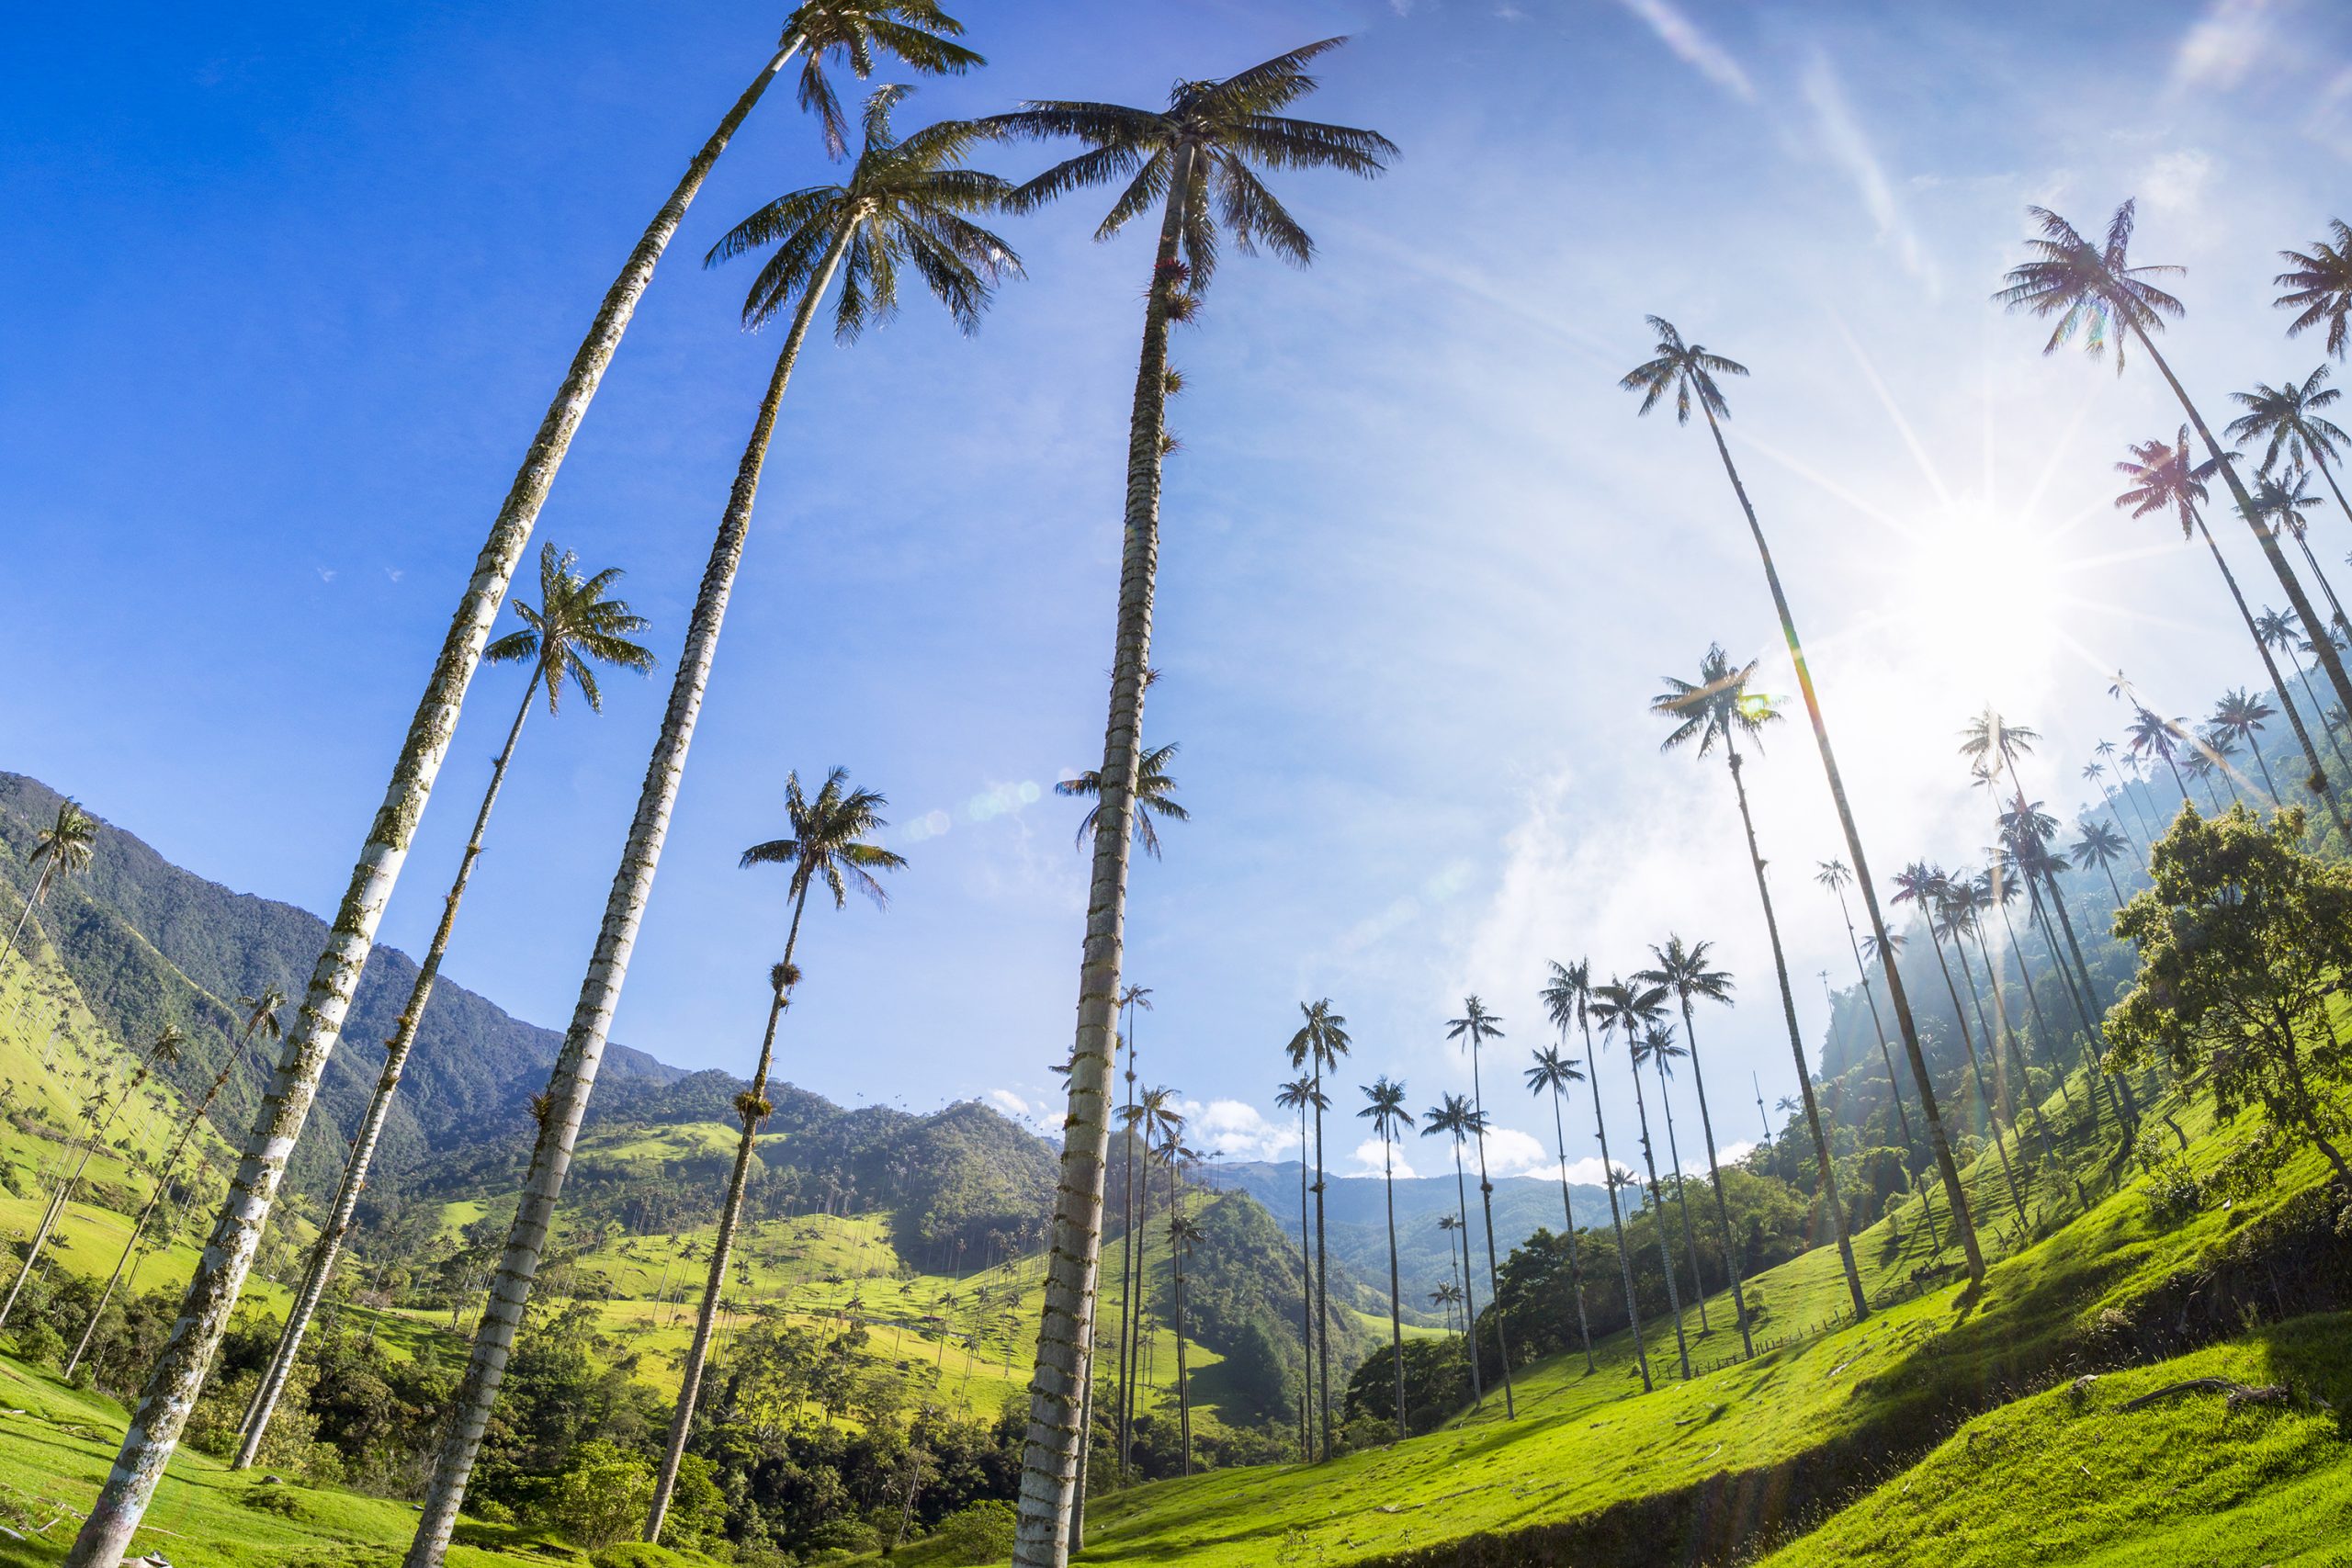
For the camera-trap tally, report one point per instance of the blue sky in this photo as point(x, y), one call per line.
point(290, 286)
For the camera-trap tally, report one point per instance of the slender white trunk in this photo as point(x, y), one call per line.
point(1616, 1214)
point(1714, 1170)
point(1569, 1219)
point(1395, 1289)
point(41, 886)
point(574, 1077)
point(1657, 1207)
point(1486, 1206)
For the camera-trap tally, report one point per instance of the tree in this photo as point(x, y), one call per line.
point(2241, 938)
point(2319, 287)
point(1719, 708)
point(61, 849)
point(1683, 968)
point(1835, 876)
point(1319, 1044)
point(2283, 500)
point(1932, 889)
point(1552, 1074)
point(1472, 1029)
point(1657, 1048)
point(574, 627)
point(1182, 1234)
point(2153, 735)
point(2101, 846)
point(1207, 142)
point(1155, 794)
point(2240, 715)
point(1568, 999)
point(1455, 1117)
point(1131, 1000)
point(1386, 1109)
point(904, 203)
point(1633, 1012)
point(818, 30)
point(1303, 1094)
point(2290, 421)
point(2094, 289)
point(831, 844)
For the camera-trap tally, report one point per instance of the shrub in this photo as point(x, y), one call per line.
point(602, 1496)
point(38, 1342)
point(981, 1533)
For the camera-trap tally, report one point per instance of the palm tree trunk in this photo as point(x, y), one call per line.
point(2093, 1074)
point(1395, 1287)
point(1176, 1267)
point(1658, 1209)
point(1682, 1199)
point(1305, 1303)
point(328, 1250)
point(90, 1329)
point(574, 1076)
point(1494, 1274)
point(1976, 1069)
point(96, 1130)
point(1616, 1216)
point(1714, 1170)
point(2040, 1024)
point(1895, 997)
point(2008, 1036)
point(2127, 1110)
point(754, 1108)
point(1322, 1270)
point(2319, 461)
point(1796, 1039)
point(171, 1389)
point(40, 887)
point(2325, 587)
point(1469, 1294)
point(2147, 830)
point(1568, 1220)
point(1049, 1452)
point(1127, 1256)
point(2303, 679)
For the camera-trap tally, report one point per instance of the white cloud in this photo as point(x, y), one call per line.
point(1234, 1129)
point(2175, 181)
point(1843, 141)
point(1693, 47)
point(2222, 45)
point(1011, 1104)
point(1510, 1152)
point(1726, 1154)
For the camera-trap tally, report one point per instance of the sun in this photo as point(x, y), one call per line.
point(1981, 599)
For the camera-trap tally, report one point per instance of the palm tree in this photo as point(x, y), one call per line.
point(1156, 1121)
point(1131, 999)
point(2198, 765)
point(573, 626)
point(1302, 1094)
point(831, 844)
point(1657, 1048)
point(1448, 1295)
point(2164, 478)
point(1454, 1116)
point(1319, 1044)
point(2288, 419)
point(1690, 371)
point(904, 203)
point(2026, 831)
point(1947, 906)
point(1182, 1236)
point(2319, 285)
point(1568, 999)
point(1389, 1118)
point(1683, 968)
point(1475, 1027)
point(919, 33)
point(2102, 846)
point(2095, 290)
point(1207, 142)
point(1720, 708)
point(1632, 1013)
point(1154, 794)
point(2239, 715)
point(1552, 1073)
point(2153, 735)
point(2282, 629)
point(1837, 877)
point(2283, 500)
point(61, 849)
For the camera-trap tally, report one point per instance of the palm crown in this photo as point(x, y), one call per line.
point(1553, 1071)
point(2099, 845)
point(1567, 993)
point(1475, 1026)
point(1322, 1040)
point(68, 842)
point(2283, 499)
point(1994, 743)
point(2289, 418)
point(904, 204)
point(1686, 369)
point(829, 841)
point(1385, 1107)
point(2163, 477)
point(2241, 713)
point(917, 31)
point(1220, 134)
point(1301, 1094)
point(2091, 289)
point(1454, 1115)
point(2319, 287)
point(1683, 969)
point(1716, 706)
point(573, 624)
point(1155, 792)
point(1627, 1008)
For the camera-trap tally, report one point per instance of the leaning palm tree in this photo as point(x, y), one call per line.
point(1835, 876)
point(1568, 999)
point(831, 845)
point(1934, 891)
point(1631, 1011)
point(2319, 287)
point(1719, 709)
point(1448, 1295)
point(2153, 735)
point(1155, 794)
point(1552, 1074)
point(1183, 1236)
point(1389, 1118)
point(1474, 1028)
point(1131, 1000)
point(1689, 371)
point(1657, 1048)
point(2163, 478)
point(2290, 421)
point(1319, 1044)
point(905, 204)
point(2240, 715)
point(2284, 500)
point(1683, 968)
point(2282, 629)
point(574, 627)
point(2101, 846)
point(61, 849)
point(1302, 1094)
point(2095, 290)
point(817, 31)
point(1454, 1117)
point(1196, 159)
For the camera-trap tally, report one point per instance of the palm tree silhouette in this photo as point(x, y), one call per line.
point(831, 845)
point(1319, 1044)
point(1683, 968)
point(1386, 1109)
point(1154, 794)
point(2319, 286)
point(2241, 715)
point(1932, 889)
point(904, 203)
point(1719, 709)
point(575, 625)
point(1131, 1000)
point(1454, 1117)
point(1633, 1011)
point(1657, 1048)
point(1690, 371)
point(2153, 735)
point(1835, 876)
point(2102, 846)
point(1448, 1295)
point(1568, 999)
point(2290, 421)
point(1552, 1073)
point(1196, 159)
point(61, 849)
point(2094, 289)
point(1303, 1094)
point(1475, 1026)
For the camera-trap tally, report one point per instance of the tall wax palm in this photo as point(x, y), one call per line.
point(2153, 735)
point(1156, 1121)
point(2283, 500)
point(1837, 877)
point(1657, 1048)
point(1683, 968)
point(1930, 888)
point(831, 845)
point(1154, 795)
point(1183, 1235)
point(2319, 287)
point(61, 849)
point(1719, 709)
point(1319, 1044)
point(1304, 1094)
point(1454, 1117)
point(817, 32)
point(1631, 1011)
point(2026, 832)
point(2002, 886)
point(904, 204)
point(1448, 1295)
point(1131, 999)
point(1552, 1074)
point(2095, 774)
point(1196, 161)
point(2291, 422)
point(2095, 290)
point(575, 625)
point(2101, 846)
point(1968, 899)
point(2164, 478)
point(2215, 747)
point(1568, 999)
point(2241, 715)
point(1474, 1028)
point(1385, 1109)
point(2276, 629)
point(1453, 1248)
point(1689, 371)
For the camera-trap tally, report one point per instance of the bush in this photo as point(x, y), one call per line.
point(981, 1533)
point(38, 1342)
point(602, 1496)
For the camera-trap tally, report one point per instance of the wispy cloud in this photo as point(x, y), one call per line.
point(1693, 47)
point(1844, 143)
point(1367, 1158)
point(2175, 181)
point(2222, 45)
